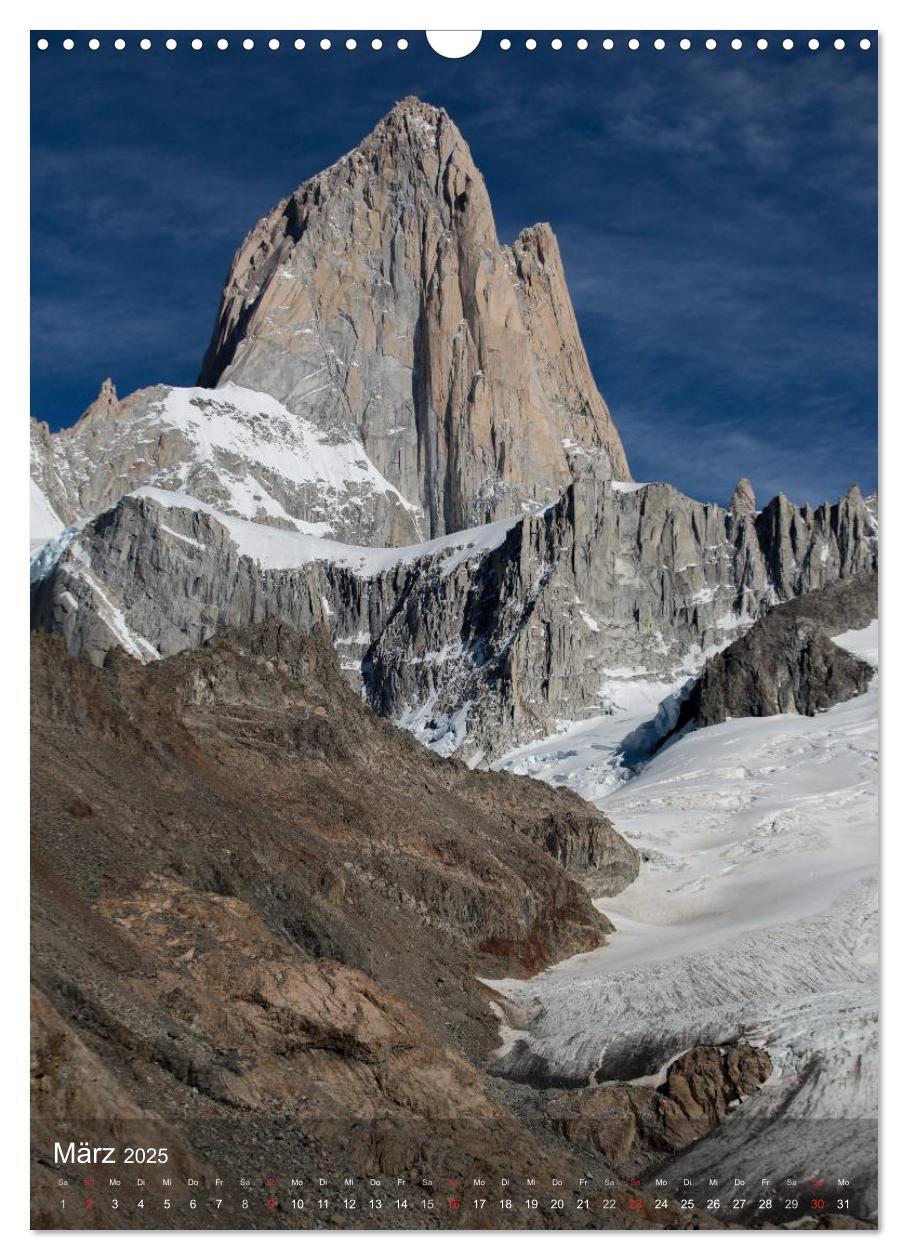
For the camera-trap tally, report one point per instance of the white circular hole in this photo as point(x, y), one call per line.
point(762, 44)
point(402, 45)
point(813, 44)
point(659, 44)
point(865, 44)
point(94, 44)
point(274, 44)
point(68, 44)
point(685, 44)
point(453, 44)
point(838, 44)
point(583, 44)
point(376, 44)
point(248, 44)
point(351, 44)
point(170, 44)
point(222, 44)
point(299, 44)
point(324, 44)
point(633, 44)
point(788, 44)
point(711, 44)
point(42, 44)
point(556, 44)
point(197, 44)
point(531, 44)
point(145, 44)
point(737, 44)
point(505, 44)
point(608, 44)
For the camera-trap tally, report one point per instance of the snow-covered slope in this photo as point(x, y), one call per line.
point(233, 448)
point(863, 643)
point(594, 756)
point(44, 523)
point(273, 548)
point(755, 915)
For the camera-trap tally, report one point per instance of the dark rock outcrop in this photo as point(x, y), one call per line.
point(590, 848)
point(637, 1128)
point(787, 662)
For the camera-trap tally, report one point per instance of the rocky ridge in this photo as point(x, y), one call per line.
point(232, 448)
point(371, 834)
point(479, 641)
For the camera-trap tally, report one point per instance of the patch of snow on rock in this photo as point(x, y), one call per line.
point(863, 643)
point(274, 548)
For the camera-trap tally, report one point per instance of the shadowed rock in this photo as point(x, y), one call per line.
point(637, 1127)
point(787, 662)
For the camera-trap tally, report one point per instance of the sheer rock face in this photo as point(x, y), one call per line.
point(481, 649)
point(377, 300)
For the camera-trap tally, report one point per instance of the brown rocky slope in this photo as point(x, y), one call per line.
point(259, 912)
point(250, 768)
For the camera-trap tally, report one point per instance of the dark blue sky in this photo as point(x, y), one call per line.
point(716, 213)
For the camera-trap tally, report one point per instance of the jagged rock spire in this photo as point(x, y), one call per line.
point(854, 494)
point(377, 300)
point(743, 499)
point(105, 406)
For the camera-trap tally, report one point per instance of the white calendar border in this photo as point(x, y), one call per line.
point(696, 15)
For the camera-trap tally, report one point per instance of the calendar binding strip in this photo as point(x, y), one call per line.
point(506, 42)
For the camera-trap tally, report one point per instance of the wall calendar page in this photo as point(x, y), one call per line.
point(454, 655)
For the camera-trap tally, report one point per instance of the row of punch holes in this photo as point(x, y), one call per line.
point(530, 43)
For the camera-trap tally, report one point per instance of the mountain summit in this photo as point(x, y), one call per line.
point(397, 438)
point(377, 301)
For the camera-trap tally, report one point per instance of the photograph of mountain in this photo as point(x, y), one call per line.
point(453, 807)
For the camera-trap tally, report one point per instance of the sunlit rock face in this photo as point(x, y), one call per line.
point(377, 300)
